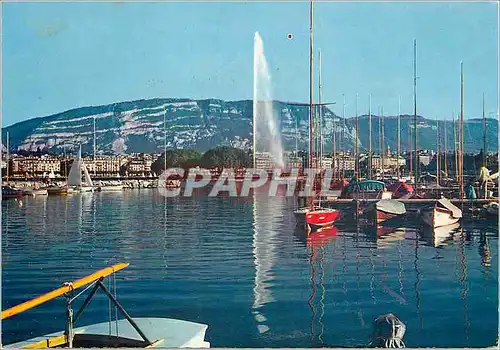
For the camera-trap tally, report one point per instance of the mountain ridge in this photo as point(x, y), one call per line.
point(137, 126)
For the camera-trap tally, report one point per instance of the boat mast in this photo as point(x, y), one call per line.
point(382, 143)
point(320, 113)
point(455, 151)
point(411, 151)
point(311, 96)
point(445, 150)
point(296, 137)
point(415, 110)
point(485, 158)
point(164, 139)
point(461, 132)
point(399, 137)
point(94, 149)
point(8, 156)
point(370, 155)
point(356, 155)
point(343, 138)
point(334, 150)
point(438, 150)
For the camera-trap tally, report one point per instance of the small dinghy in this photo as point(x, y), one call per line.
point(387, 209)
point(442, 213)
point(125, 333)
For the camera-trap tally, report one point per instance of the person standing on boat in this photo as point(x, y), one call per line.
point(484, 176)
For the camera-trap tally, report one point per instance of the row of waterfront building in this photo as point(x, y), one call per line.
point(140, 165)
point(100, 166)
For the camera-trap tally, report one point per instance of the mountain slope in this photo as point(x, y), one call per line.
point(138, 126)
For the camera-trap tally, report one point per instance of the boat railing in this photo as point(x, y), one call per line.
point(94, 281)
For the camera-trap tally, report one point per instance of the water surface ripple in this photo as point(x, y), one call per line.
point(241, 266)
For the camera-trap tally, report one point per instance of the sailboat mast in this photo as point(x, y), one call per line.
point(334, 149)
point(485, 152)
point(296, 137)
point(311, 95)
point(438, 150)
point(343, 136)
point(455, 151)
point(8, 155)
point(382, 142)
point(411, 151)
point(461, 133)
point(320, 112)
point(445, 150)
point(356, 155)
point(94, 150)
point(399, 137)
point(164, 139)
point(370, 155)
point(415, 110)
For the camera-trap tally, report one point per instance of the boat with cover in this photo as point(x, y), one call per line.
point(442, 213)
point(127, 333)
point(79, 177)
point(387, 209)
point(366, 189)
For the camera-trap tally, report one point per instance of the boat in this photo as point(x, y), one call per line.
point(35, 192)
point(366, 189)
point(111, 186)
point(321, 217)
point(57, 190)
point(11, 192)
point(130, 332)
point(387, 209)
point(492, 209)
point(442, 213)
point(79, 177)
point(401, 190)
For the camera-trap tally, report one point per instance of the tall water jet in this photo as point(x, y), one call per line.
point(266, 134)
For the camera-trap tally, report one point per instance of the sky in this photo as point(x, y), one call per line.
point(59, 56)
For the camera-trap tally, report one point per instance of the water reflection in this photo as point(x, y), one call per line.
point(226, 255)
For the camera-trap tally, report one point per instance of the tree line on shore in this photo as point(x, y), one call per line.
point(222, 156)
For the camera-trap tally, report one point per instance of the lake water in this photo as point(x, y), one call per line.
point(241, 266)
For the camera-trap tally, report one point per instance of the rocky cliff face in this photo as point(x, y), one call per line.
point(138, 126)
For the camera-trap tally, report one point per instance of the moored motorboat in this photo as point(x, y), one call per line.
point(130, 332)
point(57, 190)
point(321, 217)
point(10, 192)
point(492, 209)
point(442, 213)
point(387, 209)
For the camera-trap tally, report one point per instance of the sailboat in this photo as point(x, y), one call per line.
point(79, 177)
point(316, 217)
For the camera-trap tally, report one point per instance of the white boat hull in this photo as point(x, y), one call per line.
point(163, 332)
point(111, 188)
point(438, 217)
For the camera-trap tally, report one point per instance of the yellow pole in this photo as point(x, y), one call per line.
point(62, 290)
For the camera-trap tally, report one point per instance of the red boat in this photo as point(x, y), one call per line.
point(322, 217)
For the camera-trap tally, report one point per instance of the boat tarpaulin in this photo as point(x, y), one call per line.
point(391, 206)
point(455, 211)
